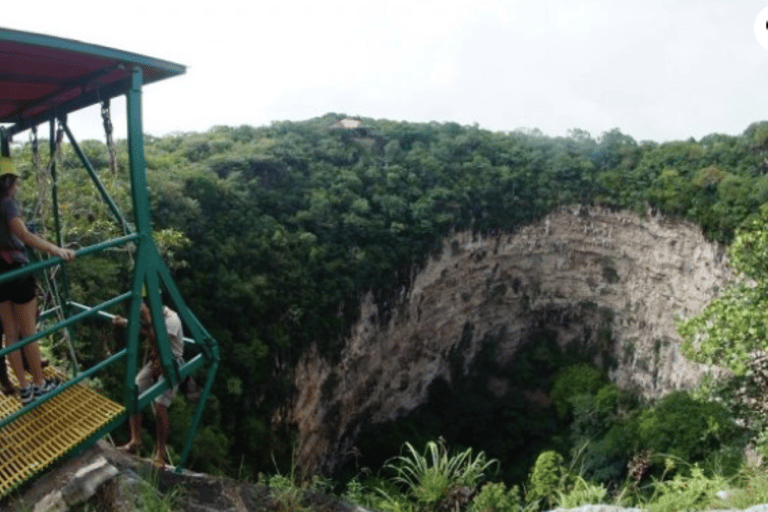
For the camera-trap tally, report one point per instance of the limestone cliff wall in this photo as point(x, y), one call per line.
point(610, 281)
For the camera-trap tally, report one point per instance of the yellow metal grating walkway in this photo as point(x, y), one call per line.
point(34, 441)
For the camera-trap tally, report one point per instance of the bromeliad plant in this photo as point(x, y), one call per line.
point(435, 476)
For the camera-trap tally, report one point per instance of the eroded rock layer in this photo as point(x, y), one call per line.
point(608, 284)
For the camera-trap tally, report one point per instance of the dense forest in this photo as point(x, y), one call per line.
point(274, 233)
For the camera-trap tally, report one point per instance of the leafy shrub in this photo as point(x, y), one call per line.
point(355, 492)
point(209, 452)
point(495, 497)
point(602, 433)
point(582, 493)
point(393, 502)
point(727, 461)
point(151, 500)
point(685, 427)
point(580, 379)
point(435, 476)
point(548, 476)
point(603, 460)
point(592, 414)
point(287, 493)
point(752, 490)
point(289, 489)
point(693, 492)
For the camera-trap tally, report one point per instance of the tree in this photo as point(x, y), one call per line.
point(734, 325)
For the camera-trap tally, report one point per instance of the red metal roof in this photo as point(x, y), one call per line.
point(42, 76)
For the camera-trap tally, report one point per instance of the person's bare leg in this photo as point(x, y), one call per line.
point(32, 353)
point(26, 316)
point(5, 383)
point(12, 336)
point(134, 422)
point(163, 431)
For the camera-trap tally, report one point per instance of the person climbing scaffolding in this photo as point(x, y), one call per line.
point(18, 297)
point(151, 373)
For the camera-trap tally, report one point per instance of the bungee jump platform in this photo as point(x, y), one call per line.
point(36, 440)
point(42, 80)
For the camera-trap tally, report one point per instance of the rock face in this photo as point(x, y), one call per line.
point(609, 284)
point(104, 478)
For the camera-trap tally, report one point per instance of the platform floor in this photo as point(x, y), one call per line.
point(33, 442)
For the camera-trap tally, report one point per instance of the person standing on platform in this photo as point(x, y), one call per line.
point(151, 373)
point(18, 297)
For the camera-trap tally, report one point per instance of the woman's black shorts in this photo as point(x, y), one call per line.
point(20, 290)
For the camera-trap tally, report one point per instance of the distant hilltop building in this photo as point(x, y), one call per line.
point(347, 123)
point(354, 130)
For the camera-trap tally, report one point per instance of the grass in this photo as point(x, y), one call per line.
point(289, 489)
point(748, 489)
point(582, 493)
point(435, 475)
point(422, 482)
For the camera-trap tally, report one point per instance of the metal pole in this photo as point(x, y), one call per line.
point(53, 144)
point(145, 274)
point(96, 181)
point(198, 415)
point(141, 217)
point(55, 183)
point(63, 296)
point(136, 156)
point(5, 147)
point(64, 323)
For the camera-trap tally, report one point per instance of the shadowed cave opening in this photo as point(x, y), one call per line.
point(497, 406)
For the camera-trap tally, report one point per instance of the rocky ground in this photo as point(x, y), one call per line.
point(105, 479)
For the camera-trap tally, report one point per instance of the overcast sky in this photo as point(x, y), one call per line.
point(657, 69)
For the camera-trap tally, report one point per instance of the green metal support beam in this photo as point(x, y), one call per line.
point(95, 178)
point(99, 74)
point(53, 146)
point(85, 100)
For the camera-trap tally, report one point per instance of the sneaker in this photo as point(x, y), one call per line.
point(48, 386)
point(27, 395)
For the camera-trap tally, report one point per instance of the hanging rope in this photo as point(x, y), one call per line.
point(51, 296)
point(35, 148)
point(50, 273)
point(41, 178)
point(106, 117)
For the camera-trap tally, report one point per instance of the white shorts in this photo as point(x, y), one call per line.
point(144, 381)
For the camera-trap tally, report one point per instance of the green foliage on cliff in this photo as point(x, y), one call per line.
point(277, 232)
point(291, 224)
point(572, 382)
point(548, 475)
point(437, 479)
point(495, 496)
point(735, 325)
point(687, 428)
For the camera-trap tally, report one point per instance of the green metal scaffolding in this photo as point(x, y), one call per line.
point(88, 75)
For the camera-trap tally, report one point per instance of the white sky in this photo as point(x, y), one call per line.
point(657, 69)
